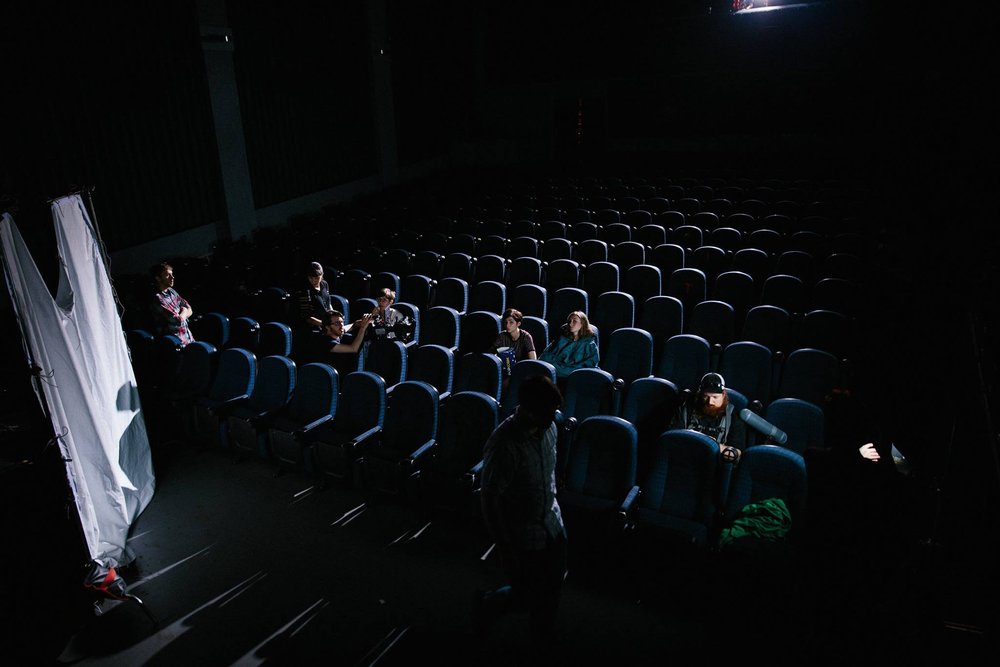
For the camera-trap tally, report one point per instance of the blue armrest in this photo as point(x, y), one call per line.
point(413, 459)
point(305, 430)
point(626, 506)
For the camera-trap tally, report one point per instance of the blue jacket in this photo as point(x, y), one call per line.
point(567, 354)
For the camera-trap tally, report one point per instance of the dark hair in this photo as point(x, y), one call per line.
point(327, 318)
point(314, 269)
point(512, 312)
point(539, 391)
point(156, 270)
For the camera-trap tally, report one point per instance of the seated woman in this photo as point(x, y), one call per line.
point(515, 343)
point(575, 347)
point(514, 337)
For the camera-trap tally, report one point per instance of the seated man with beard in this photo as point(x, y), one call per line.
point(709, 411)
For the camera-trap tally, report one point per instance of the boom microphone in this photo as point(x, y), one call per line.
point(764, 426)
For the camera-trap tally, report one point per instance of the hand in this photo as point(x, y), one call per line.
point(365, 320)
point(869, 452)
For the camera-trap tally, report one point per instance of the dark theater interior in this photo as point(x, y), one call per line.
point(799, 196)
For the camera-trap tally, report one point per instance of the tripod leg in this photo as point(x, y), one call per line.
point(144, 608)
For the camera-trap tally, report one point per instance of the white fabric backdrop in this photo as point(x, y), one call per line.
point(87, 381)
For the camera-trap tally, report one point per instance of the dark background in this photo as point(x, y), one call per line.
point(898, 98)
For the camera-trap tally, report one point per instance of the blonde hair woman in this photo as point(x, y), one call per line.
point(575, 346)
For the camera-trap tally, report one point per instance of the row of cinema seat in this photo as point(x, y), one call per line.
point(447, 346)
point(723, 198)
point(658, 210)
point(204, 374)
point(407, 441)
point(580, 208)
point(720, 321)
point(735, 312)
point(586, 242)
point(796, 293)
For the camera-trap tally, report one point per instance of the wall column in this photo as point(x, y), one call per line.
point(217, 46)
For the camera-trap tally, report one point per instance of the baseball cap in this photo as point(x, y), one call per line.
point(712, 383)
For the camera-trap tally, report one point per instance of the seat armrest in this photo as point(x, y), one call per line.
point(362, 440)
point(626, 507)
point(303, 433)
point(471, 477)
point(222, 408)
point(414, 459)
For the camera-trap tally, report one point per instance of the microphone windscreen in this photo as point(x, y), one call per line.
point(764, 426)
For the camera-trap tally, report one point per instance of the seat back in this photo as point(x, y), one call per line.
point(562, 273)
point(711, 260)
point(801, 421)
point(715, 321)
point(525, 271)
point(668, 257)
point(643, 281)
point(600, 277)
point(539, 330)
point(457, 265)
point(386, 358)
point(784, 291)
point(613, 310)
point(555, 249)
point(235, 375)
point(314, 397)
point(627, 254)
point(419, 290)
point(440, 326)
point(769, 471)
point(433, 364)
point(244, 332)
point(212, 328)
point(465, 423)
point(650, 404)
point(747, 367)
point(316, 391)
point(530, 299)
point(684, 361)
point(811, 375)
point(591, 250)
point(411, 417)
point(481, 372)
point(488, 295)
point(601, 463)
point(361, 405)
point(479, 331)
point(769, 326)
point(589, 392)
point(452, 293)
point(688, 285)
point(755, 262)
point(491, 267)
point(275, 339)
point(427, 263)
point(738, 290)
point(679, 489)
point(630, 354)
point(826, 330)
point(523, 370)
